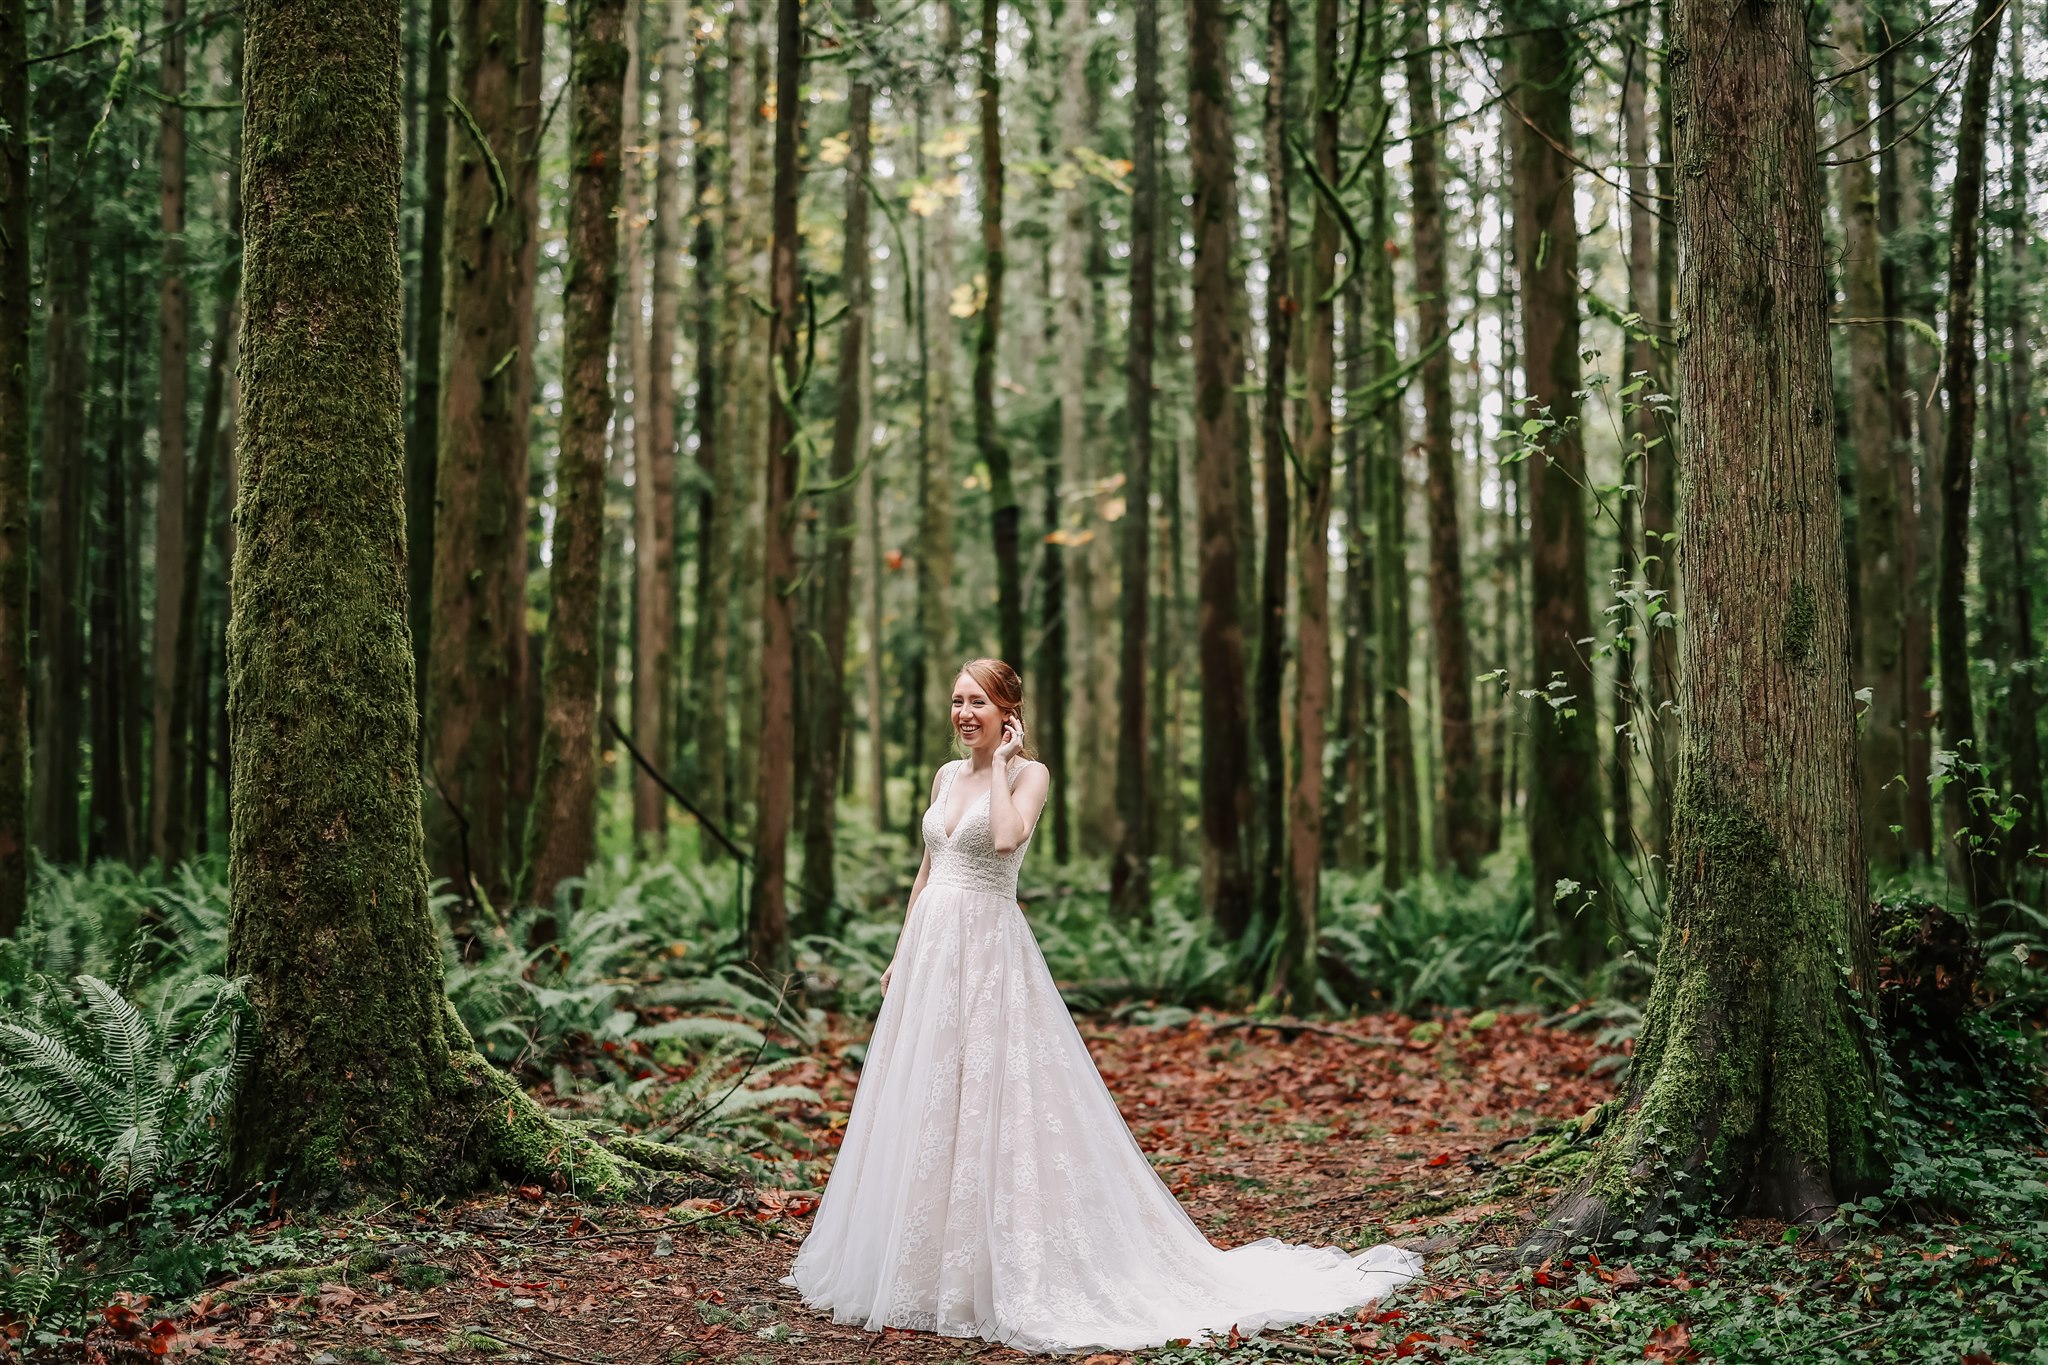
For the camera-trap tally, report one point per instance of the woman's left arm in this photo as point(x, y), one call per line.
point(1011, 814)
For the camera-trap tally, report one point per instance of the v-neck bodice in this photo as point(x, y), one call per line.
point(967, 857)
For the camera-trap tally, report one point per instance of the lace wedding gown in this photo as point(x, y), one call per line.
point(987, 1185)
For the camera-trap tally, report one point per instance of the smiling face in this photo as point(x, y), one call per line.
point(977, 720)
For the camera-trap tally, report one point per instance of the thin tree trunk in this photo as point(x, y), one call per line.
point(62, 458)
point(423, 436)
point(654, 453)
point(1652, 257)
point(1400, 804)
point(768, 922)
point(1355, 725)
point(1970, 831)
point(1565, 838)
point(1880, 594)
point(561, 831)
point(1768, 881)
point(1226, 780)
point(16, 309)
point(828, 705)
point(173, 612)
point(2019, 718)
point(477, 660)
point(995, 452)
point(1464, 832)
point(1130, 869)
point(1295, 966)
point(1273, 848)
point(715, 500)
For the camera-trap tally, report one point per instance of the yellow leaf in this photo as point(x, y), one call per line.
point(951, 142)
point(1113, 510)
point(834, 150)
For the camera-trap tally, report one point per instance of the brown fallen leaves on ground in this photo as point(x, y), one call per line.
point(1373, 1129)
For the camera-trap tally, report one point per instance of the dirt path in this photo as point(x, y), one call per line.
point(1377, 1130)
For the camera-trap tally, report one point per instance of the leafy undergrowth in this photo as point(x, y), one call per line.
point(1445, 1135)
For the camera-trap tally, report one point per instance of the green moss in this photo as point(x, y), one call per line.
point(1802, 617)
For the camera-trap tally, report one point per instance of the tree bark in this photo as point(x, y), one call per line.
point(2018, 717)
point(1130, 869)
point(365, 1078)
point(1660, 485)
point(477, 655)
point(1226, 774)
point(1970, 831)
point(1880, 636)
point(1273, 848)
point(828, 703)
point(1753, 1087)
point(1295, 966)
point(1566, 843)
point(768, 914)
point(16, 309)
point(423, 436)
point(1356, 728)
point(173, 612)
point(995, 452)
point(1464, 832)
point(935, 336)
point(561, 830)
point(716, 497)
point(654, 453)
point(60, 558)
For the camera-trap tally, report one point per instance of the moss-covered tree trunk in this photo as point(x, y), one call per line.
point(363, 1076)
point(1566, 842)
point(1752, 1087)
point(1130, 873)
point(1226, 772)
point(768, 910)
point(16, 309)
point(477, 657)
point(1464, 832)
point(561, 831)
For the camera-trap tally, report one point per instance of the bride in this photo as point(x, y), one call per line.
point(987, 1185)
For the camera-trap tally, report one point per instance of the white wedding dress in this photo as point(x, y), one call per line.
point(988, 1186)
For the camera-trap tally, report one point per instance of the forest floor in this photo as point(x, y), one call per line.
point(1375, 1129)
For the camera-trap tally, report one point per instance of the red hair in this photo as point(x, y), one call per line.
point(1003, 687)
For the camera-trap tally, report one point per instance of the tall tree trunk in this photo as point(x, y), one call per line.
point(1273, 847)
point(1969, 827)
point(1752, 1088)
point(1659, 467)
point(16, 308)
point(995, 452)
point(1464, 832)
point(477, 659)
point(1219, 365)
point(60, 558)
point(173, 612)
point(561, 830)
point(935, 336)
point(1565, 838)
point(116, 669)
point(365, 1077)
point(2018, 720)
point(828, 703)
point(768, 913)
point(1918, 422)
point(1400, 804)
point(1295, 967)
point(1880, 594)
point(423, 436)
point(1130, 870)
point(654, 453)
point(715, 494)
point(1355, 710)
